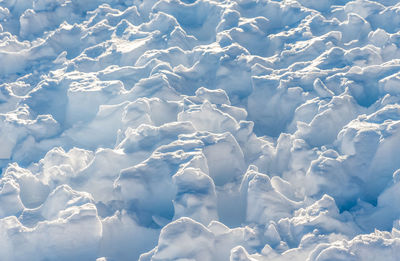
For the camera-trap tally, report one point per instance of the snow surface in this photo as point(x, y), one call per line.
point(242, 130)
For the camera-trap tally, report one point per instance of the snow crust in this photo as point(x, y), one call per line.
point(241, 130)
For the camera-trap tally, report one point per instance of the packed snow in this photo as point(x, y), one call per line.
point(209, 130)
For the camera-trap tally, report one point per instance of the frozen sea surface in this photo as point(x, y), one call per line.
point(206, 130)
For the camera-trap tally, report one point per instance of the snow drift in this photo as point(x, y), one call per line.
point(242, 130)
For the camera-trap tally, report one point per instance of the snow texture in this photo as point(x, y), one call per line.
point(209, 130)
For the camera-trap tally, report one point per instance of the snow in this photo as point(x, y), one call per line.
point(242, 130)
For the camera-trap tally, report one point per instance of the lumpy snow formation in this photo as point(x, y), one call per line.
point(209, 130)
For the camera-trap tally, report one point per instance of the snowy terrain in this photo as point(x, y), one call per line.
point(207, 130)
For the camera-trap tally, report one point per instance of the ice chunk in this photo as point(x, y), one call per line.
point(264, 203)
point(390, 85)
point(62, 198)
point(196, 196)
point(187, 239)
point(272, 107)
point(335, 114)
point(147, 138)
point(79, 224)
point(207, 117)
point(366, 247)
point(32, 191)
point(323, 215)
point(11, 204)
point(184, 238)
point(118, 231)
point(321, 89)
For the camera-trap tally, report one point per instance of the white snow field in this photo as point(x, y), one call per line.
point(199, 130)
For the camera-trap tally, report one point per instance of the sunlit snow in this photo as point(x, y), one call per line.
point(206, 130)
